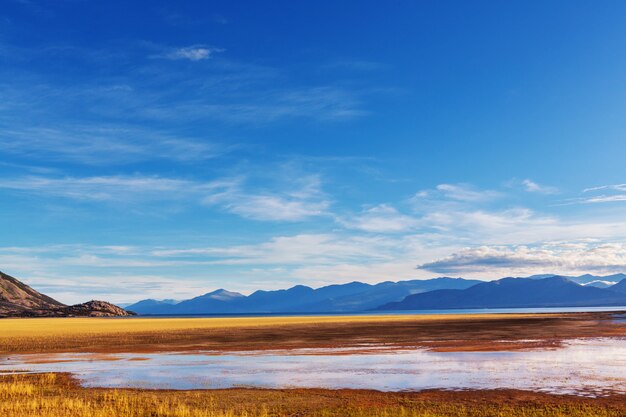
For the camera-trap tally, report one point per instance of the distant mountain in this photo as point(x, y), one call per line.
point(19, 300)
point(220, 300)
point(350, 297)
point(554, 291)
point(599, 283)
point(147, 305)
point(619, 287)
point(589, 279)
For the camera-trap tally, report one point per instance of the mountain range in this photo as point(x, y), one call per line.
point(553, 291)
point(19, 300)
point(437, 293)
point(340, 298)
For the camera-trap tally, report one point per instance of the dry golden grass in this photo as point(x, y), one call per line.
point(51, 334)
point(462, 332)
point(55, 327)
point(51, 395)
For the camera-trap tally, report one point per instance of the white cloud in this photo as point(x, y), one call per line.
point(526, 260)
point(192, 53)
point(610, 194)
point(466, 215)
point(303, 199)
point(533, 187)
point(614, 187)
point(269, 207)
point(466, 193)
point(382, 218)
point(606, 198)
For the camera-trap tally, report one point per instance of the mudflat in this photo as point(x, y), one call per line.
point(445, 332)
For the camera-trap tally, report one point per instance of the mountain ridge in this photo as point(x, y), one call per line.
point(353, 296)
point(554, 291)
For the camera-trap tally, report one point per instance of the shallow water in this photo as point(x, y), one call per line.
point(585, 367)
point(520, 310)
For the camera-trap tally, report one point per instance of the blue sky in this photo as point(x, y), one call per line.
point(156, 149)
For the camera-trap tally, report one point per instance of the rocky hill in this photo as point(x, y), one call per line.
point(15, 296)
point(19, 300)
point(92, 308)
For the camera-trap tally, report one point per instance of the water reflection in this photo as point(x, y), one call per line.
point(586, 367)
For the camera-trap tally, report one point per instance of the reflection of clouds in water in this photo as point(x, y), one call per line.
point(583, 366)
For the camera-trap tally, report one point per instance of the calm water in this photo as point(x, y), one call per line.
point(584, 367)
point(403, 312)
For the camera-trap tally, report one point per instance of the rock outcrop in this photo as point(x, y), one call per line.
point(19, 300)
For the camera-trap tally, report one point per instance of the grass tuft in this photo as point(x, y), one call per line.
point(50, 395)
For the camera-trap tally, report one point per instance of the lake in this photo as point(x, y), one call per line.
point(528, 310)
point(590, 367)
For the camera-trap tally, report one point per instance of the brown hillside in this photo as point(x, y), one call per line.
point(19, 300)
point(16, 296)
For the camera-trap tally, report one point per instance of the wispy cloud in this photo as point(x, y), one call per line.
point(300, 201)
point(191, 53)
point(303, 199)
point(451, 216)
point(610, 194)
point(150, 91)
point(110, 188)
point(323, 248)
point(612, 187)
point(606, 198)
point(463, 193)
point(105, 144)
point(382, 218)
point(533, 187)
point(268, 106)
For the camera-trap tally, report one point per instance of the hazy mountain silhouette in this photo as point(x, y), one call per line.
point(350, 297)
point(619, 287)
point(554, 291)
